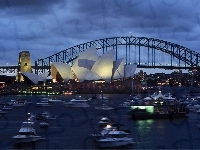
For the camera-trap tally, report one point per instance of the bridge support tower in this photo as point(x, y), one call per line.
point(24, 65)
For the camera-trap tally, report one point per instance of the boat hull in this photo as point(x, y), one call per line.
point(115, 142)
point(26, 139)
point(157, 115)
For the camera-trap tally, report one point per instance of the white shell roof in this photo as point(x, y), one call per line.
point(64, 70)
point(92, 76)
point(44, 75)
point(129, 70)
point(33, 77)
point(104, 65)
point(84, 63)
point(118, 69)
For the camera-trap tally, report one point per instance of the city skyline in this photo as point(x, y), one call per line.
point(47, 27)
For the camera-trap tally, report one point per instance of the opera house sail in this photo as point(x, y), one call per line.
point(84, 63)
point(62, 70)
point(34, 78)
point(118, 69)
point(129, 70)
point(104, 65)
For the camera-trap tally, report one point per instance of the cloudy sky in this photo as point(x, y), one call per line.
point(45, 27)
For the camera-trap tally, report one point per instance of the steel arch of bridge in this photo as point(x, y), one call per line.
point(188, 57)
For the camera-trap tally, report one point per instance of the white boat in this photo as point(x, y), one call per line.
point(27, 133)
point(99, 97)
point(198, 111)
point(51, 100)
point(115, 139)
point(45, 100)
point(77, 102)
point(193, 106)
point(147, 100)
point(104, 107)
point(43, 104)
point(44, 124)
point(17, 103)
point(3, 112)
point(125, 105)
point(105, 131)
point(45, 116)
point(104, 121)
point(7, 107)
point(56, 101)
point(48, 116)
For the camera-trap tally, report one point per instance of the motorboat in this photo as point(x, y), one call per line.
point(44, 124)
point(43, 104)
point(115, 138)
point(7, 107)
point(125, 105)
point(104, 121)
point(99, 97)
point(79, 98)
point(147, 100)
point(27, 133)
point(105, 131)
point(45, 100)
point(104, 107)
point(77, 102)
point(193, 106)
point(17, 103)
point(56, 101)
point(45, 116)
point(3, 112)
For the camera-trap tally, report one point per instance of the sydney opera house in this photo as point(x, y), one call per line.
point(87, 67)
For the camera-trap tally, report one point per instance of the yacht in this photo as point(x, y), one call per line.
point(77, 102)
point(27, 133)
point(115, 138)
point(105, 131)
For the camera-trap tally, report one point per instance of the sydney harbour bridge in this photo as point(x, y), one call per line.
point(145, 52)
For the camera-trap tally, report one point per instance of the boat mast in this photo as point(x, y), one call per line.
point(132, 86)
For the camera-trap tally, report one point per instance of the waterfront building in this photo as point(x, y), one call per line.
point(87, 66)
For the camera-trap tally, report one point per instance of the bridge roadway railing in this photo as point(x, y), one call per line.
point(14, 69)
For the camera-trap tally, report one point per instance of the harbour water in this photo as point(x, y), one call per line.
point(73, 127)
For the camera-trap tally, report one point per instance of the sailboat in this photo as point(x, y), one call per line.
point(103, 105)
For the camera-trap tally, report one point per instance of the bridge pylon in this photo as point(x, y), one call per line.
point(24, 65)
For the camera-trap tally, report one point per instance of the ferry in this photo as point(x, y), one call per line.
point(158, 111)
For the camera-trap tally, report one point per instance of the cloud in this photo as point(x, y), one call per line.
point(45, 27)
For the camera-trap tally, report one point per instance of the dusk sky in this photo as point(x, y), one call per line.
point(45, 27)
